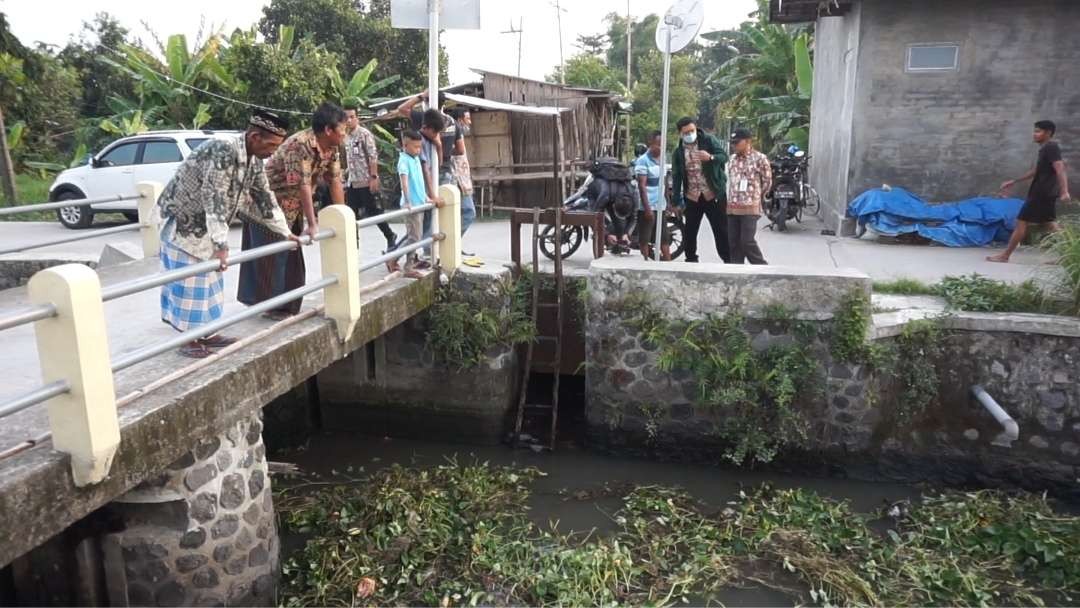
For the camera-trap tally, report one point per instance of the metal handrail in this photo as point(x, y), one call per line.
point(28, 315)
point(36, 313)
point(393, 215)
point(89, 234)
point(75, 202)
point(397, 253)
point(42, 393)
point(134, 286)
point(148, 352)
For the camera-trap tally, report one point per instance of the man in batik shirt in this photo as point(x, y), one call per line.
point(749, 178)
point(294, 171)
point(222, 178)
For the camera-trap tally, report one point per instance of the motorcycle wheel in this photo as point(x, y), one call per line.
point(675, 229)
point(781, 215)
point(571, 240)
point(798, 214)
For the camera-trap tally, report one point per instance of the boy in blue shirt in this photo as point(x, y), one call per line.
point(647, 172)
point(415, 190)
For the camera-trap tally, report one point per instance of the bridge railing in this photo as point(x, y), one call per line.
point(72, 343)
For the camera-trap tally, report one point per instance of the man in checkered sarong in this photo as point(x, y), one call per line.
point(221, 178)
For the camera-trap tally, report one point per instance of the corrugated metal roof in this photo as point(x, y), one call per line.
point(487, 104)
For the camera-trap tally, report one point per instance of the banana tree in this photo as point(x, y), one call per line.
point(360, 90)
point(172, 88)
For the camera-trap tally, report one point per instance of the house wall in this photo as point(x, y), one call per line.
point(952, 135)
point(835, 64)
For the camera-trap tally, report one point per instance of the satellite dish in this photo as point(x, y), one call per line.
point(683, 20)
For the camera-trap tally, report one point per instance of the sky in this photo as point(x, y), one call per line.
point(56, 21)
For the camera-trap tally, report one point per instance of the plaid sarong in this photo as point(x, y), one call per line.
point(193, 301)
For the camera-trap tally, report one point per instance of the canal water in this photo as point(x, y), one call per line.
point(573, 491)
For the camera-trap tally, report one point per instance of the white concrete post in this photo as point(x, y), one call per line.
point(73, 346)
point(341, 258)
point(148, 228)
point(450, 226)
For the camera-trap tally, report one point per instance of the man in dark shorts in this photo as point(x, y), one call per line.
point(1049, 184)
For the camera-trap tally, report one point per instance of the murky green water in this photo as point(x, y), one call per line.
point(573, 492)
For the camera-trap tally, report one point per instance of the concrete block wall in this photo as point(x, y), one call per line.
point(943, 135)
point(952, 135)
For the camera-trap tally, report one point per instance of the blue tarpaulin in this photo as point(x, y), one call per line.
point(969, 223)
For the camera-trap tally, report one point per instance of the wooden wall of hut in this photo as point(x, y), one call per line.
point(587, 131)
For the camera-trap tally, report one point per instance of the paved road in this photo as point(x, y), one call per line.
point(802, 245)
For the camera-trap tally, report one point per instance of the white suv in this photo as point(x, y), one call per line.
point(152, 156)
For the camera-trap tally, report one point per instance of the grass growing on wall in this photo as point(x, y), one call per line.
point(461, 332)
point(753, 391)
point(459, 535)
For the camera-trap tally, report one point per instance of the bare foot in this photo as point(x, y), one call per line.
point(1001, 258)
point(414, 274)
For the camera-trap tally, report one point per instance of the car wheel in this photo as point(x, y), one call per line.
point(75, 217)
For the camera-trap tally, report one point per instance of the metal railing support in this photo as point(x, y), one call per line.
point(148, 228)
point(340, 258)
point(450, 225)
point(73, 347)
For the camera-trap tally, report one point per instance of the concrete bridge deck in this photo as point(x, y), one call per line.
point(37, 494)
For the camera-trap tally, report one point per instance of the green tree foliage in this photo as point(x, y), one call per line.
point(357, 31)
point(643, 42)
point(40, 97)
point(285, 74)
point(590, 71)
point(100, 38)
point(682, 99)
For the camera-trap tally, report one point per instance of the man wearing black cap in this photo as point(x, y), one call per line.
point(222, 178)
point(749, 179)
point(698, 185)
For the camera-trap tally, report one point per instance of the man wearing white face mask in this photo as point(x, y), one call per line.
point(700, 186)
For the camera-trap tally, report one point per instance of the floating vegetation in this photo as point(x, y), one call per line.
point(459, 535)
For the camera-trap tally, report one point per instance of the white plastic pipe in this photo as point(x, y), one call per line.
point(1011, 430)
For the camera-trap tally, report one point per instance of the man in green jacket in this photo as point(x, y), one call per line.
point(699, 186)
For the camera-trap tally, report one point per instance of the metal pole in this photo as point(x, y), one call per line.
point(659, 215)
point(629, 58)
point(433, 101)
point(521, 32)
point(562, 62)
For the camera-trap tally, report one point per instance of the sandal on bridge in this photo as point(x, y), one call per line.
point(194, 350)
point(217, 341)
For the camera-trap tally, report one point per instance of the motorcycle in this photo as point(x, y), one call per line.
point(790, 195)
point(609, 187)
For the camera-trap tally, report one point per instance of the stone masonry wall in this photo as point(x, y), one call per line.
point(631, 401)
point(203, 533)
point(1028, 363)
point(397, 388)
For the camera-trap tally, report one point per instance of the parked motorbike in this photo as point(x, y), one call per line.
point(610, 188)
point(790, 195)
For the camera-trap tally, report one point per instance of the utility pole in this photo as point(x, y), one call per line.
point(629, 29)
point(7, 169)
point(520, 29)
point(559, 10)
